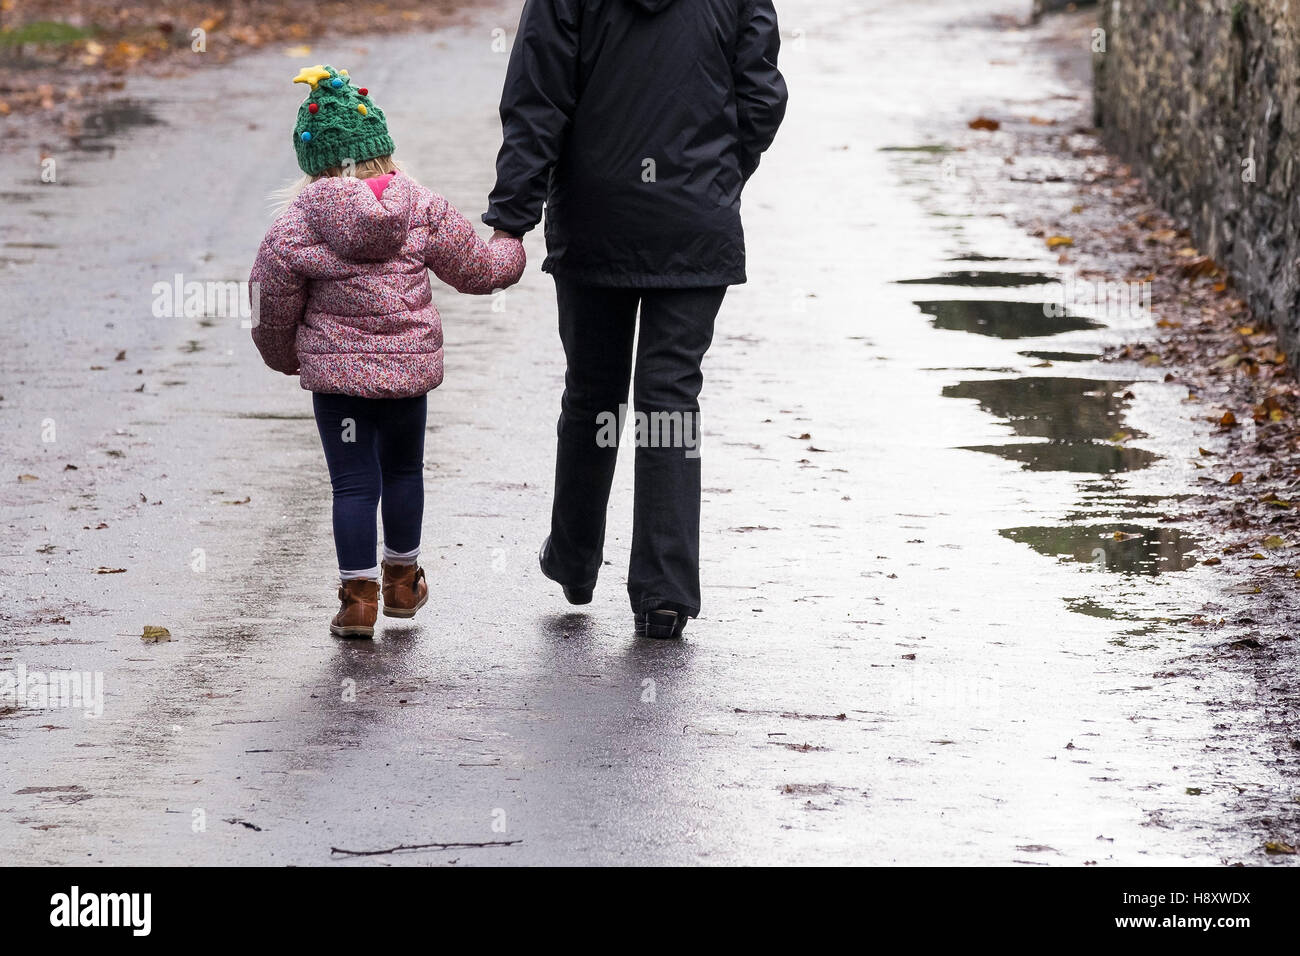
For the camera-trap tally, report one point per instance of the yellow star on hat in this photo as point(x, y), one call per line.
point(311, 75)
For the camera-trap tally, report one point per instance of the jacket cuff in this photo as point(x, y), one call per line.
point(515, 226)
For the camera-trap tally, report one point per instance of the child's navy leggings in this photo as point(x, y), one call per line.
point(375, 451)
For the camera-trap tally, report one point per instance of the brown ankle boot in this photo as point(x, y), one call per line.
point(356, 618)
point(405, 589)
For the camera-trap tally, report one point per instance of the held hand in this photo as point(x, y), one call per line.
point(499, 234)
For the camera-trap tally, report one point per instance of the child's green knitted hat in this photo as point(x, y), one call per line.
point(337, 122)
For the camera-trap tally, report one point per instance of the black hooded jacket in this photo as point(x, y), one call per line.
point(637, 122)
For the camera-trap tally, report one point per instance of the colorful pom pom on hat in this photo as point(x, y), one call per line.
point(337, 122)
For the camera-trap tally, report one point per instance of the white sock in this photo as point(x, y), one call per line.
point(394, 557)
point(365, 574)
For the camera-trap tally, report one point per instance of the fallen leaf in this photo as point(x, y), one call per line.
point(110, 570)
point(155, 635)
point(1055, 242)
point(984, 123)
point(1198, 265)
point(1274, 541)
point(1237, 479)
point(28, 478)
point(1276, 846)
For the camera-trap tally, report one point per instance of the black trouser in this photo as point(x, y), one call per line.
point(597, 327)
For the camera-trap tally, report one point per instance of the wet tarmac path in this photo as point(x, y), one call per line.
point(941, 601)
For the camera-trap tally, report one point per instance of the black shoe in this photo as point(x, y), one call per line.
point(661, 624)
point(574, 595)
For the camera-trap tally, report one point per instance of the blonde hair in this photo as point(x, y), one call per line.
point(366, 169)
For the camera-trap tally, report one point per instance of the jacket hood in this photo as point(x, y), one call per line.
point(652, 6)
point(345, 214)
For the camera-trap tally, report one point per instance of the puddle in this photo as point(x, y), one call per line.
point(1090, 607)
point(1121, 548)
point(985, 279)
point(1148, 626)
point(936, 149)
point(111, 121)
point(1062, 356)
point(1089, 457)
point(1062, 409)
point(1121, 507)
point(1005, 320)
point(973, 368)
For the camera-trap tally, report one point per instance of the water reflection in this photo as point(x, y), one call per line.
point(1048, 356)
point(1059, 408)
point(100, 126)
point(1005, 320)
point(1122, 548)
point(971, 278)
point(1105, 503)
point(1090, 457)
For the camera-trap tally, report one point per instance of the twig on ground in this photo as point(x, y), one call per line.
point(423, 846)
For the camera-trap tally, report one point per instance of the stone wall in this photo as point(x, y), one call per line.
point(1202, 97)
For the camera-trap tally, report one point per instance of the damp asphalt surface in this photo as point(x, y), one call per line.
point(945, 622)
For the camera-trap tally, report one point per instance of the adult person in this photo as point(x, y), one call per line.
point(637, 123)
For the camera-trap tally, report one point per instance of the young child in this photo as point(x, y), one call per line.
point(344, 302)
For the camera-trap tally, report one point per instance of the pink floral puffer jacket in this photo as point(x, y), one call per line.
point(342, 292)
